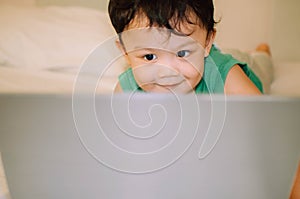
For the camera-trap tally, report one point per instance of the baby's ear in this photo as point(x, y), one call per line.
point(209, 41)
point(120, 46)
point(123, 50)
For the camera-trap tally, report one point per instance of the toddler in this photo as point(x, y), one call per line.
point(169, 46)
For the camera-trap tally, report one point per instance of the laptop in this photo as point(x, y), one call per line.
point(149, 146)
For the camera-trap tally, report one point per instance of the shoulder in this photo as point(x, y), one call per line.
point(216, 68)
point(223, 61)
point(127, 81)
point(237, 82)
point(236, 75)
point(118, 88)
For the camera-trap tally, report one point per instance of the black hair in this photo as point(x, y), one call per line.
point(162, 12)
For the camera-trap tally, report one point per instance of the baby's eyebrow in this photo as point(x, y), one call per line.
point(173, 47)
point(145, 48)
point(179, 47)
point(187, 44)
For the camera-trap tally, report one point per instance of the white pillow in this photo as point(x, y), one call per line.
point(45, 37)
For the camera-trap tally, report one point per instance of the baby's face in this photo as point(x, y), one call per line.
point(162, 61)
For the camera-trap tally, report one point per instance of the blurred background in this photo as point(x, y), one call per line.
point(40, 37)
point(244, 23)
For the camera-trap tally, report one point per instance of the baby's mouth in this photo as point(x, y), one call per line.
point(169, 81)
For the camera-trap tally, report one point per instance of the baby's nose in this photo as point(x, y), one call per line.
point(166, 71)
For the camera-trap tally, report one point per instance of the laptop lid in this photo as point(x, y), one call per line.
point(149, 146)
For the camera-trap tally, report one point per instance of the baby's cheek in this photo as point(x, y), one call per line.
point(195, 64)
point(191, 71)
point(144, 74)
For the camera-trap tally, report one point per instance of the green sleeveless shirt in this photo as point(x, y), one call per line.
point(216, 68)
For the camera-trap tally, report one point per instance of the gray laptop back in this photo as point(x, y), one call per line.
point(149, 146)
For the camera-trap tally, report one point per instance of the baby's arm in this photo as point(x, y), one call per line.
point(295, 194)
point(237, 82)
point(118, 88)
point(259, 61)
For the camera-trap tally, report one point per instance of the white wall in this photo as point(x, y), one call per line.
point(97, 4)
point(246, 23)
point(285, 37)
point(18, 2)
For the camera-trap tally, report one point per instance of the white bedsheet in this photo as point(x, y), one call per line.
point(286, 80)
point(20, 80)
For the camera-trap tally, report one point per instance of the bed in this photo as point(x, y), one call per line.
point(42, 48)
point(43, 45)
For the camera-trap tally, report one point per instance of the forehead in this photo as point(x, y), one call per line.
point(139, 34)
point(159, 38)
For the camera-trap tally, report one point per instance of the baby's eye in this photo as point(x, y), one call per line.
point(150, 57)
point(183, 53)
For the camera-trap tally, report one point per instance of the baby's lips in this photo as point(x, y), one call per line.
point(169, 81)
